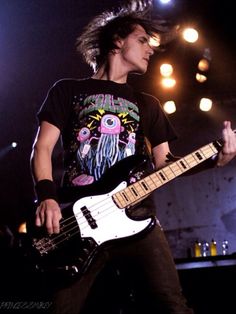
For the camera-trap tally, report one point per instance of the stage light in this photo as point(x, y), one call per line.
point(166, 69)
point(165, 1)
point(203, 65)
point(190, 35)
point(169, 106)
point(154, 41)
point(201, 78)
point(168, 82)
point(14, 144)
point(205, 104)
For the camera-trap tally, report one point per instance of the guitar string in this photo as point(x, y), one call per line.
point(83, 217)
point(55, 240)
point(58, 239)
point(80, 220)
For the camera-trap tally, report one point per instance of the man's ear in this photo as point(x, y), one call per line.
point(118, 41)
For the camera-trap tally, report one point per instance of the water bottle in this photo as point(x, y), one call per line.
point(213, 248)
point(225, 247)
point(197, 249)
point(205, 248)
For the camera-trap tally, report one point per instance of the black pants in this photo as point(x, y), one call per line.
point(143, 278)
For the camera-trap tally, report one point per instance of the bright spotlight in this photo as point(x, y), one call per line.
point(165, 1)
point(201, 78)
point(203, 65)
point(168, 82)
point(166, 69)
point(13, 144)
point(154, 41)
point(205, 104)
point(190, 35)
point(169, 106)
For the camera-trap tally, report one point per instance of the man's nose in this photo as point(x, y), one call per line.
point(150, 50)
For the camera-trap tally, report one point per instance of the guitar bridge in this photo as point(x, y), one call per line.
point(44, 245)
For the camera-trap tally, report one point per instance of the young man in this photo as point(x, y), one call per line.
point(102, 121)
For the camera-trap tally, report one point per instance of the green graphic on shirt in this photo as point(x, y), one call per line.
point(108, 103)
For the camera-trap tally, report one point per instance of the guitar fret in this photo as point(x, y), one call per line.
point(131, 195)
point(214, 149)
point(119, 199)
point(207, 150)
point(156, 179)
point(191, 160)
point(125, 195)
point(183, 165)
point(134, 191)
point(150, 183)
point(198, 155)
point(145, 186)
point(175, 168)
point(139, 189)
point(168, 173)
point(204, 156)
point(161, 176)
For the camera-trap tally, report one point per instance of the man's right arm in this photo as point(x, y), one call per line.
point(48, 212)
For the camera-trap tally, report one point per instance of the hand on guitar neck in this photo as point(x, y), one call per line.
point(228, 151)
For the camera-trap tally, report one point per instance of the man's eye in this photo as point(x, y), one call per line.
point(143, 40)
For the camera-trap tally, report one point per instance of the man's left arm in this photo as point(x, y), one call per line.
point(163, 156)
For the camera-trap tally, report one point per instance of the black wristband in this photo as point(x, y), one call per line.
point(45, 189)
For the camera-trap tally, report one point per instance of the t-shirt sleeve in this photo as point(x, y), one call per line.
point(156, 124)
point(56, 106)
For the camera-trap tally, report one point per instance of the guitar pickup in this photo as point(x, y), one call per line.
point(91, 221)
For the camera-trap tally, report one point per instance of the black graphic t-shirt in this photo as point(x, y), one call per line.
point(102, 122)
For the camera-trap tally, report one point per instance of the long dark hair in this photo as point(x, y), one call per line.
point(97, 38)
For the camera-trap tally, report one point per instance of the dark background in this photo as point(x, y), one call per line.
point(37, 47)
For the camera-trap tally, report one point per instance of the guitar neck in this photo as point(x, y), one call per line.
point(142, 188)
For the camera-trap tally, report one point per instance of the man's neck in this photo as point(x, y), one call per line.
point(111, 72)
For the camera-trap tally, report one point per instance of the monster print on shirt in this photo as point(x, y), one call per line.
point(106, 134)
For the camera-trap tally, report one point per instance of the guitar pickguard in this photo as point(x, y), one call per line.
point(100, 218)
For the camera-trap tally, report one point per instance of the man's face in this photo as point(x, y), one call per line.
point(136, 51)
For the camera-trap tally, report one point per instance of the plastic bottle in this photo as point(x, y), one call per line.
point(205, 248)
point(225, 247)
point(197, 249)
point(213, 248)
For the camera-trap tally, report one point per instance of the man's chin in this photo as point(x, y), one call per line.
point(139, 72)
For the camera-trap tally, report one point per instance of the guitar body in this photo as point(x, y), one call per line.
point(91, 220)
